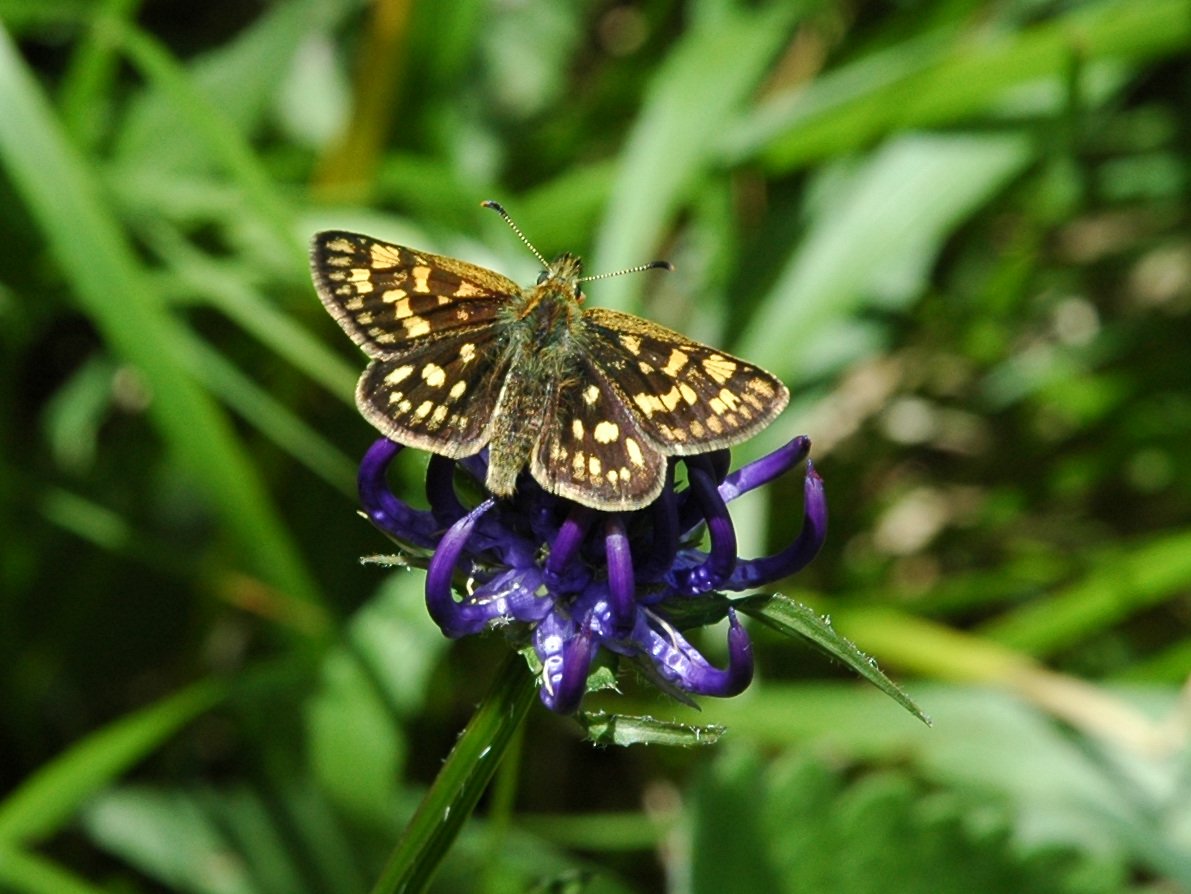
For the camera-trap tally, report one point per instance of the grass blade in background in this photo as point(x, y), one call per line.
point(48, 799)
point(883, 223)
point(695, 92)
point(822, 120)
point(64, 199)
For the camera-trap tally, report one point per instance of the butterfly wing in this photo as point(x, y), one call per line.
point(437, 393)
point(384, 295)
point(431, 325)
point(687, 397)
point(592, 449)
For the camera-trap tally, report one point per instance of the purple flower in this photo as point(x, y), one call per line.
point(578, 580)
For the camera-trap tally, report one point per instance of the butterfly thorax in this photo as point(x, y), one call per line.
point(541, 353)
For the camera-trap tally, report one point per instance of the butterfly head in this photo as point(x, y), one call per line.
point(563, 275)
point(565, 268)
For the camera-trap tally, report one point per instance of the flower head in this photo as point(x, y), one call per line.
point(578, 580)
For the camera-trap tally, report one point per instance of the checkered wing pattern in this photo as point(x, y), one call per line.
point(385, 295)
point(685, 396)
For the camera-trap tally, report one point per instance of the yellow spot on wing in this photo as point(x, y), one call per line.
point(647, 403)
point(636, 457)
point(421, 279)
point(632, 343)
point(434, 375)
point(457, 389)
point(719, 368)
point(415, 326)
point(384, 256)
point(678, 359)
point(591, 394)
point(577, 429)
point(399, 375)
point(467, 353)
point(606, 432)
point(671, 398)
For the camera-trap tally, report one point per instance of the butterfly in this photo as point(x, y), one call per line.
point(593, 401)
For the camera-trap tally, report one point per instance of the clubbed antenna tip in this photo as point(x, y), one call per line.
point(500, 209)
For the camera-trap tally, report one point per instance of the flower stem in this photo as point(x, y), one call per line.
point(463, 778)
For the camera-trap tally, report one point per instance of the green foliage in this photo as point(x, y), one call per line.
point(957, 230)
point(797, 825)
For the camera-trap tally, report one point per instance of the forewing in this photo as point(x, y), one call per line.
point(384, 295)
point(438, 393)
point(686, 396)
point(592, 450)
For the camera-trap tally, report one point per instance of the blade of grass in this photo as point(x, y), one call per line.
point(710, 72)
point(947, 654)
point(348, 170)
point(85, 96)
point(461, 780)
point(895, 209)
point(41, 804)
point(269, 416)
point(228, 289)
point(114, 292)
point(1121, 583)
point(222, 138)
point(827, 119)
point(28, 873)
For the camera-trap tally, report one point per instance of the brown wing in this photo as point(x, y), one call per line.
point(592, 449)
point(684, 395)
point(384, 295)
point(437, 393)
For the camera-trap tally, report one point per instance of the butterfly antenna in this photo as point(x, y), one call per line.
point(500, 209)
point(652, 265)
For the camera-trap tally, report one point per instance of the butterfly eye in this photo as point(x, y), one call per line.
point(543, 276)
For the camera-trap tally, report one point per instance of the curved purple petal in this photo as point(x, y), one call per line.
point(622, 588)
point(682, 665)
point(566, 651)
point(571, 684)
point(568, 540)
point(383, 509)
point(760, 472)
point(795, 557)
point(662, 551)
point(721, 558)
point(439, 599)
point(440, 491)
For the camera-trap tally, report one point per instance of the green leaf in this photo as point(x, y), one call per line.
point(712, 70)
point(172, 838)
point(618, 729)
point(33, 874)
point(49, 798)
point(797, 824)
point(64, 199)
point(462, 779)
point(928, 82)
point(876, 229)
point(795, 619)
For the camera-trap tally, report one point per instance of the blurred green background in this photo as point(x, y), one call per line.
point(957, 229)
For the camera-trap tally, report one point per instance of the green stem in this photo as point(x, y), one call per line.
point(462, 780)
